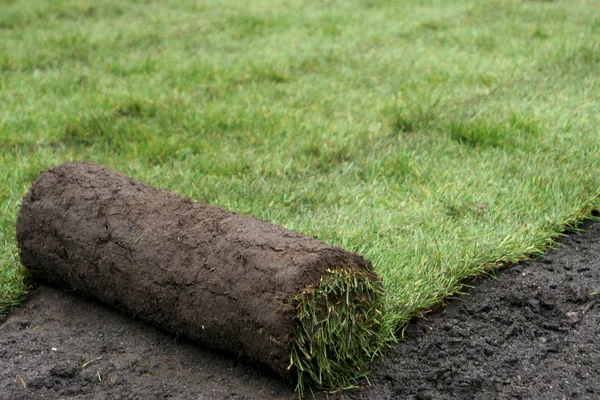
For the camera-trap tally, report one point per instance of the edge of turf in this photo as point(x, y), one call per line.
point(344, 323)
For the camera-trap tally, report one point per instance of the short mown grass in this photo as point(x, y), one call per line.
point(439, 139)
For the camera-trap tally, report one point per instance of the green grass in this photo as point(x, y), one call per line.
point(439, 139)
point(341, 327)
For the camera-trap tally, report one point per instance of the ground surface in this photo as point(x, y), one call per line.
point(533, 333)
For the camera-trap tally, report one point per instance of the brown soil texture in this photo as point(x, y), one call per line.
point(222, 279)
point(531, 333)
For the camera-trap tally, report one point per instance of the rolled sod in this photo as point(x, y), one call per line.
point(307, 310)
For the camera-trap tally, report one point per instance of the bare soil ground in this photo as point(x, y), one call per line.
point(531, 333)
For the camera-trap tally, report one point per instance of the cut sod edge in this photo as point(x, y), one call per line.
point(340, 327)
point(341, 323)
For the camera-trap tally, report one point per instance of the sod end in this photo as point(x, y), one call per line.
point(341, 325)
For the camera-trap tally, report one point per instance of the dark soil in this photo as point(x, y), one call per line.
point(223, 279)
point(532, 333)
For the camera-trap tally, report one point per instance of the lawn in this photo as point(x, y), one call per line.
point(439, 139)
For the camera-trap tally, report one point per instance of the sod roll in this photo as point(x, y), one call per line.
point(307, 310)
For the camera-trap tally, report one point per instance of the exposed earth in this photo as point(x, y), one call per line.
point(533, 332)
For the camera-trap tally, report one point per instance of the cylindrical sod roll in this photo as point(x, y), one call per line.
point(229, 281)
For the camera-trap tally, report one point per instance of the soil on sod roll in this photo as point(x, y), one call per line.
point(231, 282)
point(531, 333)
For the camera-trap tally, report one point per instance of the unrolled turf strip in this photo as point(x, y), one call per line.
point(226, 280)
